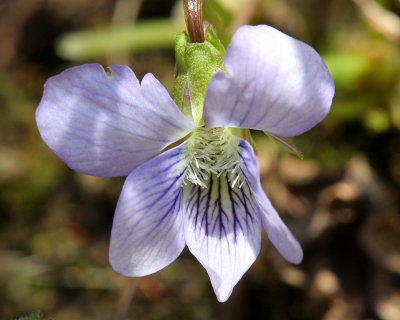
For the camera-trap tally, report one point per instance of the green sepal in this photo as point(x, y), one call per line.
point(196, 63)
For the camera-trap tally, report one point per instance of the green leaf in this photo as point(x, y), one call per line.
point(219, 17)
point(141, 36)
point(347, 68)
point(377, 120)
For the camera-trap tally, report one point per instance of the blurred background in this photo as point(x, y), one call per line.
point(342, 201)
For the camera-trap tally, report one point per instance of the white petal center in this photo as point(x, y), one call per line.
point(213, 152)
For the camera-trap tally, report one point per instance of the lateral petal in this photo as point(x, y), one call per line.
point(222, 230)
point(278, 233)
point(147, 232)
point(274, 83)
point(107, 124)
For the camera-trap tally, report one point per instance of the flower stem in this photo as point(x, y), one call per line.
point(125, 301)
point(194, 19)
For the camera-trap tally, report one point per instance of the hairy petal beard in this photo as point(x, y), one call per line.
point(214, 151)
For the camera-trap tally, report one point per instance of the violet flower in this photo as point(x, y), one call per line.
point(206, 192)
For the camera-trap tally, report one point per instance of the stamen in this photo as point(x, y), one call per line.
point(215, 152)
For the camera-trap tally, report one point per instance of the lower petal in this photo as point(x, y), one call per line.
point(278, 233)
point(147, 232)
point(222, 230)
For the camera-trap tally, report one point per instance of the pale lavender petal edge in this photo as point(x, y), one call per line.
point(278, 233)
point(147, 232)
point(107, 123)
point(273, 83)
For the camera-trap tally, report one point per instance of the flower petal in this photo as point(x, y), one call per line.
point(278, 233)
point(107, 124)
point(275, 84)
point(147, 232)
point(222, 230)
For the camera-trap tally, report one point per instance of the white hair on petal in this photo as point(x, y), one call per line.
point(213, 151)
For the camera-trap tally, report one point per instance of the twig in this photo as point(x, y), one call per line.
point(124, 11)
point(384, 21)
point(126, 298)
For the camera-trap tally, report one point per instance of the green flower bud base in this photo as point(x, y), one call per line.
point(196, 63)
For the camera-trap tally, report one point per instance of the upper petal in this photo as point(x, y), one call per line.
point(107, 124)
point(278, 233)
point(274, 83)
point(222, 230)
point(147, 232)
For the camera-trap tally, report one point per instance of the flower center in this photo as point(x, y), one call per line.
point(213, 152)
